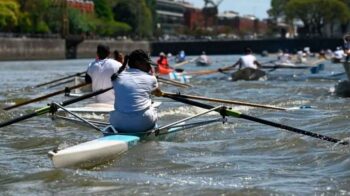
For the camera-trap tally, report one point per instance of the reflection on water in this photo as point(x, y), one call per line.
point(239, 157)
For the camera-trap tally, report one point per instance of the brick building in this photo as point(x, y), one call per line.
point(242, 25)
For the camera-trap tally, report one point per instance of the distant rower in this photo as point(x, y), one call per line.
point(248, 67)
point(99, 73)
point(163, 64)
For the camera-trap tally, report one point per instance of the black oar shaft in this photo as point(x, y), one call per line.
point(293, 129)
point(27, 116)
point(74, 100)
point(61, 83)
point(45, 96)
point(57, 80)
point(47, 109)
point(227, 101)
point(259, 120)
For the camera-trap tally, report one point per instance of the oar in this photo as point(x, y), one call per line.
point(61, 83)
point(233, 113)
point(225, 101)
point(185, 62)
point(207, 72)
point(48, 109)
point(67, 89)
point(172, 82)
point(202, 72)
point(59, 79)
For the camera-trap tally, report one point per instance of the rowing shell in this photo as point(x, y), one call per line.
point(247, 74)
point(107, 148)
point(95, 152)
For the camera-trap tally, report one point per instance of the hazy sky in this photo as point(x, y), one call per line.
point(243, 7)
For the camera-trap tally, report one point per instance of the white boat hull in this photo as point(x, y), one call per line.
point(92, 152)
point(97, 151)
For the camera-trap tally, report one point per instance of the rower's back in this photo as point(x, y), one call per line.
point(99, 73)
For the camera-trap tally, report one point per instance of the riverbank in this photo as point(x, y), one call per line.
point(42, 49)
point(57, 49)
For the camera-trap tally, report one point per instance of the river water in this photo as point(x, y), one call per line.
point(239, 157)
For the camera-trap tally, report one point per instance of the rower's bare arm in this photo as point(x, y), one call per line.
point(229, 67)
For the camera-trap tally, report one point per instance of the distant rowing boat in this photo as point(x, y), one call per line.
point(248, 74)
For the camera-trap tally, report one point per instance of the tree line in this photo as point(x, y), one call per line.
point(319, 17)
point(111, 18)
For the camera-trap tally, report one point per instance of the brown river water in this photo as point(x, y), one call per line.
point(240, 157)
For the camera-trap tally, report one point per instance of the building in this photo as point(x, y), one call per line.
point(170, 15)
point(86, 6)
point(173, 16)
point(247, 26)
point(194, 18)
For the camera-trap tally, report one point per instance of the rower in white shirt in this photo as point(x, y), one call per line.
point(99, 74)
point(133, 110)
point(248, 60)
point(338, 55)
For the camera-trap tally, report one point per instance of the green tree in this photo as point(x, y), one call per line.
point(103, 10)
point(106, 23)
point(38, 12)
point(151, 4)
point(113, 28)
point(80, 22)
point(137, 14)
point(277, 10)
point(9, 14)
point(315, 14)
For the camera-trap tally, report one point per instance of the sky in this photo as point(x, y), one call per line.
point(243, 7)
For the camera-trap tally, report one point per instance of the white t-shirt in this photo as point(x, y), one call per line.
point(133, 89)
point(100, 72)
point(203, 58)
point(248, 61)
point(284, 58)
point(339, 54)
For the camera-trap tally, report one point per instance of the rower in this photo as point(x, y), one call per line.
point(301, 57)
point(203, 59)
point(181, 57)
point(284, 57)
point(338, 55)
point(118, 56)
point(163, 65)
point(133, 110)
point(99, 73)
point(246, 61)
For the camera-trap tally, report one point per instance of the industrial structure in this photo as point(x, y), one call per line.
point(175, 16)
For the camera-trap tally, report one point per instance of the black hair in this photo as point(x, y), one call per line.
point(247, 50)
point(131, 59)
point(102, 51)
point(116, 53)
point(138, 56)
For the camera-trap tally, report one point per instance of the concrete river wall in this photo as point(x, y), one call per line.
point(41, 49)
point(237, 46)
